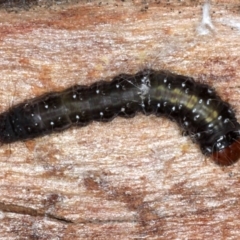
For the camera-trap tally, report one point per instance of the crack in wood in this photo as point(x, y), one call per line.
point(17, 209)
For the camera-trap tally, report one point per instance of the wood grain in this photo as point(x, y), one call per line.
point(128, 179)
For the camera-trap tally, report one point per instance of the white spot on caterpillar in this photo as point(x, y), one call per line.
point(226, 120)
point(206, 26)
point(196, 117)
point(210, 91)
point(144, 88)
point(198, 135)
point(37, 119)
point(210, 125)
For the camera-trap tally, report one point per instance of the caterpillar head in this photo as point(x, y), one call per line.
point(226, 150)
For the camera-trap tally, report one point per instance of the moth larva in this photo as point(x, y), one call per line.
point(196, 107)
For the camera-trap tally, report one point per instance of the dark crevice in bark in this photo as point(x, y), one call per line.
point(17, 209)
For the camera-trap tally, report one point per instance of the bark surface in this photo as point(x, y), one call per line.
point(133, 178)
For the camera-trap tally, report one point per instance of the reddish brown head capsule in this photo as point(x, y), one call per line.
point(228, 155)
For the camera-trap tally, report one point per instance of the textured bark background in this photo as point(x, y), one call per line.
point(130, 178)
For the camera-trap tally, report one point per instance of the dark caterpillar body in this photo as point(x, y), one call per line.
point(195, 107)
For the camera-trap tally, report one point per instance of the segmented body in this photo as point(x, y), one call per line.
point(194, 106)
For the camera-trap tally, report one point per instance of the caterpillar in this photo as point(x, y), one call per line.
point(196, 107)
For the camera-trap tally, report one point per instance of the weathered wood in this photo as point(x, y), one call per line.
point(128, 179)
